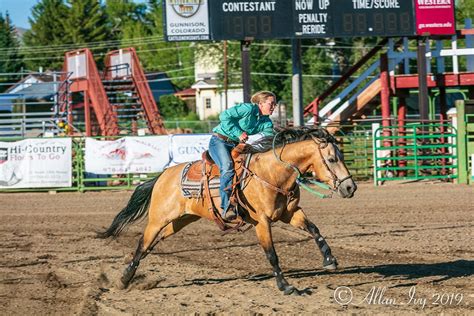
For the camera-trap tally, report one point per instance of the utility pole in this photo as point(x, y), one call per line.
point(246, 80)
point(297, 89)
point(422, 84)
point(226, 77)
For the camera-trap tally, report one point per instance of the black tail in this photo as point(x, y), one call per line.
point(136, 208)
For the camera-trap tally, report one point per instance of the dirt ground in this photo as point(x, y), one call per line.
point(405, 248)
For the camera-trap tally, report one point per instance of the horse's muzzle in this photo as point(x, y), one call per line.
point(347, 188)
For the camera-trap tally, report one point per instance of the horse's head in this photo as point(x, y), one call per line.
point(329, 167)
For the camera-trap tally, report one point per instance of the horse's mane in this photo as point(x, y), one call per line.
point(288, 136)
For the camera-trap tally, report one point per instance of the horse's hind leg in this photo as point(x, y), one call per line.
point(299, 220)
point(152, 235)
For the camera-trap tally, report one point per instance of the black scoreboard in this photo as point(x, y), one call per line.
point(273, 19)
point(396, 18)
point(246, 19)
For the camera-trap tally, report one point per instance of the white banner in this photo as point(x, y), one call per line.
point(127, 155)
point(36, 163)
point(187, 20)
point(187, 147)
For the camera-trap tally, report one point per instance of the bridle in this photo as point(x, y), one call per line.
point(323, 143)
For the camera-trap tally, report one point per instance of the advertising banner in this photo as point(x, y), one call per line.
point(187, 20)
point(127, 155)
point(435, 17)
point(36, 163)
point(186, 148)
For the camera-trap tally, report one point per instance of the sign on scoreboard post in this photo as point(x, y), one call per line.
point(284, 19)
point(186, 20)
point(435, 17)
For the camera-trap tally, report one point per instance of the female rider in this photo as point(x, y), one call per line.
point(236, 124)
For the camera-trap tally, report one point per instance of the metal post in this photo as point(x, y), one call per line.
point(56, 92)
point(443, 126)
point(402, 142)
point(385, 95)
point(226, 78)
point(87, 115)
point(297, 89)
point(469, 44)
point(246, 80)
point(422, 83)
point(461, 143)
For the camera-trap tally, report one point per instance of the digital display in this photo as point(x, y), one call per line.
point(250, 19)
point(374, 18)
point(280, 19)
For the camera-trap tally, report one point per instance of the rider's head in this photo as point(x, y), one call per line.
point(265, 100)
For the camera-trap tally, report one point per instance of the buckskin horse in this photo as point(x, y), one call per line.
point(270, 194)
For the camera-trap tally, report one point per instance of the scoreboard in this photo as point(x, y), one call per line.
point(279, 19)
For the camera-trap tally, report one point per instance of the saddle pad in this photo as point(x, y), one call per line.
point(193, 186)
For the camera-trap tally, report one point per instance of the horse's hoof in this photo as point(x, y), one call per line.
point(291, 290)
point(330, 263)
point(123, 283)
point(121, 286)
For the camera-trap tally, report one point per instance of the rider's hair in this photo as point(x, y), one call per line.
point(262, 96)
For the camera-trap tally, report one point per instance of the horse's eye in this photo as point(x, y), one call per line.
point(332, 160)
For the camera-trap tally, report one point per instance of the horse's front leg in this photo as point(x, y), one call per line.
point(299, 220)
point(264, 235)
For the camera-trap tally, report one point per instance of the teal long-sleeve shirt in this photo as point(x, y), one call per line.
point(243, 117)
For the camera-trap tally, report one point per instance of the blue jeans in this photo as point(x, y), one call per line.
point(219, 150)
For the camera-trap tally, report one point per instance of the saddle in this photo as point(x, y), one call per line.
point(201, 179)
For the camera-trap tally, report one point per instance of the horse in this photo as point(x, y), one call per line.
point(270, 194)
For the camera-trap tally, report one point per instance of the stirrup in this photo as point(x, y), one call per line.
point(230, 214)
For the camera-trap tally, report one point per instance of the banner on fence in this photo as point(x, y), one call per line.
point(127, 155)
point(36, 163)
point(187, 147)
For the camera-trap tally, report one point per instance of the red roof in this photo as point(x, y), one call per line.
point(190, 92)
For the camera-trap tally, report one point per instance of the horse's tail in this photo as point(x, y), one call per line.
point(136, 208)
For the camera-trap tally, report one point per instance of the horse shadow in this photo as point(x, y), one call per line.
point(402, 271)
point(405, 271)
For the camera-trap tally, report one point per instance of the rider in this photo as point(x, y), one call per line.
point(236, 124)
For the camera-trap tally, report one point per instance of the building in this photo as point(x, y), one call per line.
point(210, 95)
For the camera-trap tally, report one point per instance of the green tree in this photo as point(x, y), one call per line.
point(10, 58)
point(271, 65)
point(464, 9)
point(47, 31)
point(122, 14)
point(175, 58)
point(86, 22)
point(317, 65)
point(172, 107)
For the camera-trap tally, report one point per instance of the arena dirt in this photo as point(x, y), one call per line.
point(404, 248)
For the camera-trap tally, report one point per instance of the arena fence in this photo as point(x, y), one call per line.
point(419, 151)
point(356, 144)
point(415, 152)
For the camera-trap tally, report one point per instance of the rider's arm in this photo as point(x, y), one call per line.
point(230, 119)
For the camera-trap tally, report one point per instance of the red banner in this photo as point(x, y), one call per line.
point(435, 17)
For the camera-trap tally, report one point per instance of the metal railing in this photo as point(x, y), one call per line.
point(356, 144)
point(416, 151)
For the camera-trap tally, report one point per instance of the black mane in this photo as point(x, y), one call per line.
point(288, 136)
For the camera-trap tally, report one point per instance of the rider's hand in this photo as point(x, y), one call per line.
point(244, 137)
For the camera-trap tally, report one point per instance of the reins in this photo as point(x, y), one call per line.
point(302, 182)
